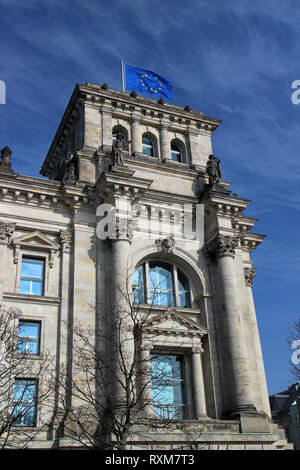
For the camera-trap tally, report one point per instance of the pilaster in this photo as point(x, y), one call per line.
point(6, 232)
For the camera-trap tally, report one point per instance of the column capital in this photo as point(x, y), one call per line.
point(222, 245)
point(197, 349)
point(163, 126)
point(146, 346)
point(250, 274)
point(6, 231)
point(124, 228)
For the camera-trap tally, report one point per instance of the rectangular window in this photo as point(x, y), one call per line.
point(29, 337)
point(32, 276)
point(24, 402)
point(168, 392)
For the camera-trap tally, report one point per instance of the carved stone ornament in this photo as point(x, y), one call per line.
point(5, 163)
point(221, 245)
point(166, 245)
point(6, 231)
point(250, 274)
point(66, 240)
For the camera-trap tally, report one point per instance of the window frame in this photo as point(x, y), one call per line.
point(19, 402)
point(181, 150)
point(182, 382)
point(38, 342)
point(175, 284)
point(29, 256)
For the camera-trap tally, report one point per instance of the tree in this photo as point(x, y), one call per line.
point(20, 372)
point(105, 395)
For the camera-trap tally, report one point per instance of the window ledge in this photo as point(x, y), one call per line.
point(170, 162)
point(31, 298)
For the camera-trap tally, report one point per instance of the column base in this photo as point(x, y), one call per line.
point(241, 410)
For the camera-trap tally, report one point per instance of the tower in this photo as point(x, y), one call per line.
point(180, 249)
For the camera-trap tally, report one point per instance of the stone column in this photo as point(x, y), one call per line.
point(136, 141)
point(121, 322)
point(106, 128)
point(146, 379)
point(241, 401)
point(165, 149)
point(250, 273)
point(6, 232)
point(198, 383)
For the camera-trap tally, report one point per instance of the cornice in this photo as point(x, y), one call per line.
point(41, 192)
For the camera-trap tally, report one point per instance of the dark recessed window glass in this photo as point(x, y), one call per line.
point(176, 153)
point(168, 392)
point(148, 147)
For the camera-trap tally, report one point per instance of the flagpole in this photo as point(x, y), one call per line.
point(123, 76)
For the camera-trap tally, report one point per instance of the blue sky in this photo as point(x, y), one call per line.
point(232, 59)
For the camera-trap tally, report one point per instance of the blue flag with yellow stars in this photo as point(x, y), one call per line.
point(147, 82)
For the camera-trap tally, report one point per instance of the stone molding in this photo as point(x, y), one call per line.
point(37, 241)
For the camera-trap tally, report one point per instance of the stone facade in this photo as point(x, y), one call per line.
point(56, 220)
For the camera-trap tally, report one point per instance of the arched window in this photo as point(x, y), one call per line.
point(122, 132)
point(159, 283)
point(148, 147)
point(177, 151)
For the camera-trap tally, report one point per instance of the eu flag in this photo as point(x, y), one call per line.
point(147, 82)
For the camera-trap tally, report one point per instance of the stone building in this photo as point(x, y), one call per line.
point(113, 148)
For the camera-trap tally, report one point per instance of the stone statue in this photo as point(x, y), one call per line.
point(5, 163)
point(213, 169)
point(117, 151)
point(70, 170)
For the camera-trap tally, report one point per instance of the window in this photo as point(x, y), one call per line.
point(168, 392)
point(29, 337)
point(139, 285)
point(176, 152)
point(148, 147)
point(161, 284)
point(24, 402)
point(32, 276)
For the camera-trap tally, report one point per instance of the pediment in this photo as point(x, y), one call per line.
point(37, 240)
point(176, 323)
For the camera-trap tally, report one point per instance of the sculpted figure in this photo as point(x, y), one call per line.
point(70, 170)
point(213, 169)
point(5, 162)
point(117, 152)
